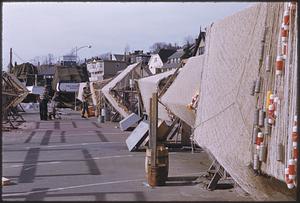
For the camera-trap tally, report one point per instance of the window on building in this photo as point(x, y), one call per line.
point(201, 50)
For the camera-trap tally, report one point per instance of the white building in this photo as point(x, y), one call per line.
point(96, 70)
point(103, 69)
point(155, 63)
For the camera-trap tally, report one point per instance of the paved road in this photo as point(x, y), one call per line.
point(76, 159)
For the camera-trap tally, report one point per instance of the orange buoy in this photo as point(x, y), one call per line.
point(271, 110)
point(295, 134)
point(295, 153)
point(290, 184)
point(279, 65)
point(286, 174)
point(286, 17)
point(284, 35)
point(285, 27)
point(259, 139)
point(292, 169)
point(271, 99)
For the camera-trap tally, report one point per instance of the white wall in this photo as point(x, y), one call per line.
point(155, 62)
point(96, 69)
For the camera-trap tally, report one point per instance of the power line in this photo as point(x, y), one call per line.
point(18, 57)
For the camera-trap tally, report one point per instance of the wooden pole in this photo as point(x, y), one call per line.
point(153, 127)
point(152, 175)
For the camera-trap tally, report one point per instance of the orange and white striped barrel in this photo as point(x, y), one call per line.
point(289, 182)
point(259, 139)
point(271, 110)
point(284, 31)
point(285, 27)
point(295, 134)
point(286, 174)
point(292, 169)
point(286, 17)
point(295, 138)
point(284, 35)
point(295, 153)
point(279, 65)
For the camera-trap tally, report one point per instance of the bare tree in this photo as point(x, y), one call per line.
point(162, 45)
point(188, 40)
point(50, 58)
point(127, 49)
point(35, 60)
point(46, 60)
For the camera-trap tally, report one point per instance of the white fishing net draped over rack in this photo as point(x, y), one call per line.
point(149, 85)
point(179, 97)
point(239, 49)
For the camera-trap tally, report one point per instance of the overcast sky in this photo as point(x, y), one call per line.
point(36, 29)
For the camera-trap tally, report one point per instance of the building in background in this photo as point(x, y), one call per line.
point(200, 44)
point(68, 60)
point(157, 61)
point(143, 58)
point(45, 74)
point(99, 69)
point(117, 57)
point(173, 61)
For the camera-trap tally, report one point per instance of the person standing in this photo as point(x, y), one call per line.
point(40, 98)
point(51, 109)
point(85, 96)
point(43, 105)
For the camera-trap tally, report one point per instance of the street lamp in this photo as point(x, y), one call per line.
point(77, 49)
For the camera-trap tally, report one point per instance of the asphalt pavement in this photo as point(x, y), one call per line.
point(77, 159)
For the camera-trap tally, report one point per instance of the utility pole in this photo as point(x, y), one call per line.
point(10, 60)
